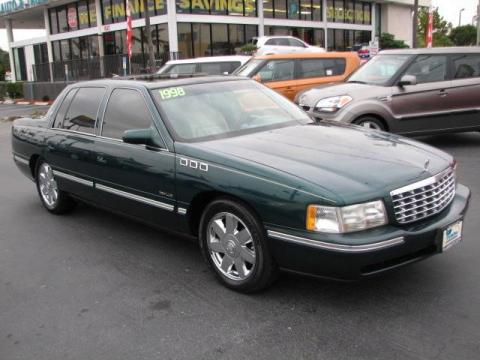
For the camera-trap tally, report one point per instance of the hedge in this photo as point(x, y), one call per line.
point(14, 89)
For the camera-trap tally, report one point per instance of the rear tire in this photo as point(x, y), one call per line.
point(234, 244)
point(371, 122)
point(52, 198)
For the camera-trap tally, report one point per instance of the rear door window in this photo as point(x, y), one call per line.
point(182, 69)
point(62, 110)
point(309, 68)
point(126, 110)
point(217, 68)
point(295, 42)
point(83, 111)
point(277, 70)
point(466, 66)
point(429, 68)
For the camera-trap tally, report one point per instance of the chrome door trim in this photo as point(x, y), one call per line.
point(134, 197)
point(73, 178)
point(336, 247)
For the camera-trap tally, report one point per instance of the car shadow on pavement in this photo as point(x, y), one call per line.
point(455, 140)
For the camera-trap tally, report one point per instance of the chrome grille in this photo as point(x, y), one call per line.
point(424, 198)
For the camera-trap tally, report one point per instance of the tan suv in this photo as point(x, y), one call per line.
point(409, 91)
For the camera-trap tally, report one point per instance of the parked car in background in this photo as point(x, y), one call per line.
point(408, 91)
point(268, 45)
point(290, 73)
point(212, 65)
point(233, 163)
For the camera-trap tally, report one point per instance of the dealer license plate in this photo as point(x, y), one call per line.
point(452, 235)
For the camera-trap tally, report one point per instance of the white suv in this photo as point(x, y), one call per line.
point(268, 45)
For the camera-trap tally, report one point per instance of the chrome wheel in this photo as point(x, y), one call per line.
point(47, 185)
point(230, 245)
point(370, 125)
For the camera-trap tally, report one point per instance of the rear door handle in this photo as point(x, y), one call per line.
point(442, 93)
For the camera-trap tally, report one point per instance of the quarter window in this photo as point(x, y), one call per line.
point(82, 113)
point(62, 110)
point(218, 68)
point(182, 69)
point(321, 67)
point(429, 68)
point(126, 110)
point(293, 42)
point(466, 66)
point(277, 70)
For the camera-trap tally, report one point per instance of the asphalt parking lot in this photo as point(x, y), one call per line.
point(92, 285)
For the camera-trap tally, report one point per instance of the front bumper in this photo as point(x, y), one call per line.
point(343, 115)
point(356, 255)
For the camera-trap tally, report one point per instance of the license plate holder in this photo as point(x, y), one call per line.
point(452, 235)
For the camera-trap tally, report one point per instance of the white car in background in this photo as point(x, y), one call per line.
point(269, 45)
point(212, 65)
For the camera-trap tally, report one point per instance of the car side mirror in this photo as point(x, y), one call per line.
point(407, 80)
point(139, 137)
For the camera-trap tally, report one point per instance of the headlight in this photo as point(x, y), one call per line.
point(332, 104)
point(346, 219)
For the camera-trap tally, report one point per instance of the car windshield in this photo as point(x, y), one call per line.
point(223, 109)
point(248, 68)
point(379, 70)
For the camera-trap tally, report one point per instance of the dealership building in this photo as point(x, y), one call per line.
point(86, 39)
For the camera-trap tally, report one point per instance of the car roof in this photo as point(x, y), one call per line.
point(438, 50)
point(207, 59)
point(309, 55)
point(154, 82)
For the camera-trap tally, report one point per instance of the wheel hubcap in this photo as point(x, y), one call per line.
point(231, 247)
point(370, 125)
point(48, 185)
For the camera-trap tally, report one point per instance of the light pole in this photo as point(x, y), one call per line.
point(415, 23)
point(478, 23)
point(460, 17)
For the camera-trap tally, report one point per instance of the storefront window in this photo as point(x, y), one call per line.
point(280, 7)
point(75, 48)
point(349, 11)
point(268, 8)
point(196, 40)
point(201, 39)
point(62, 19)
point(40, 53)
point(57, 54)
point(347, 40)
point(53, 21)
point(220, 44)
point(65, 48)
point(83, 21)
point(309, 35)
point(92, 12)
point(162, 46)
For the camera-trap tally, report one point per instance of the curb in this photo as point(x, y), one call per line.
point(25, 102)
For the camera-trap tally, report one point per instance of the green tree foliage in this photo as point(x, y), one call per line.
point(441, 29)
point(4, 64)
point(465, 35)
point(388, 41)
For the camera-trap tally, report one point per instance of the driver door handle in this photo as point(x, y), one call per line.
point(442, 93)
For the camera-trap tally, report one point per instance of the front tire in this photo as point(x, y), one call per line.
point(370, 122)
point(233, 243)
point(53, 199)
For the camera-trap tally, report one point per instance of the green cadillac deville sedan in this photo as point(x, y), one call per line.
point(231, 162)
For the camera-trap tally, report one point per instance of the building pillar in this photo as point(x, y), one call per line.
point(373, 21)
point(49, 43)
point(8, 27)
point(261, 25)
point(325, 27)
point(101, 45)
point(172, 28)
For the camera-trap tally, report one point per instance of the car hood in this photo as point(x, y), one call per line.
point(357, 91)
point(354, 163)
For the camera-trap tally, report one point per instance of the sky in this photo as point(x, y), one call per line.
point(449, 9)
